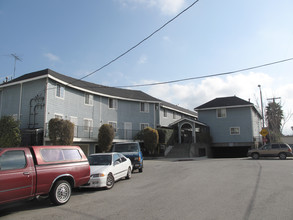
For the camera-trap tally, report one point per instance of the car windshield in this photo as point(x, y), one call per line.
point(126, 148)
point(102, 160)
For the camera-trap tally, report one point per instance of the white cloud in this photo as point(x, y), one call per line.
point(192, 94)
point(52, 57)
point(169, 7)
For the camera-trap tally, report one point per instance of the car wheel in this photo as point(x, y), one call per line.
point(128, 176)
point(110, 181)
point(255, 156)
point(60, 193)
point(282, 156)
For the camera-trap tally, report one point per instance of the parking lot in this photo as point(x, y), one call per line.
point(238, 188)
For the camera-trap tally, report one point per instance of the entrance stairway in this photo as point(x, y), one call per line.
point(179, 151)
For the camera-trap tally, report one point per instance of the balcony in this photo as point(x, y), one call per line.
point(91, 133)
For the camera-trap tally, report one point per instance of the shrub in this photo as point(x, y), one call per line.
point(105, 137)
point(9, 132)
point(151, 139)
point(61, 132)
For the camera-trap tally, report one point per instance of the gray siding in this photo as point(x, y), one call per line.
point(22, 94)
point(166, 121)
point(220, 127)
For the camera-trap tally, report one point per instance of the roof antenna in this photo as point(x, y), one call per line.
point(16, 58)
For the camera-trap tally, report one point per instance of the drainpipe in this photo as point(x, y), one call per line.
point(20, 101)
point(45, 111)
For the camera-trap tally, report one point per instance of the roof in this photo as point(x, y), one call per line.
point(231, 101)
point(226, 102)
point(128, 94)
point(84, 85)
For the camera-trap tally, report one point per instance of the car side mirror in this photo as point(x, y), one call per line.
point(116, 162)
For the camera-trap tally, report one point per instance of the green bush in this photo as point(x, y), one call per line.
point(151, 139)
point(105, 137)
point(9, 132)
point(61, 132)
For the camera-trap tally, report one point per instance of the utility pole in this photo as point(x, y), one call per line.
point(16, 58)
point(263, 120)
point(274, 98)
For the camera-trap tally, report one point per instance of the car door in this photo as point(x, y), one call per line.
point(124, 165)
point(275, 150)
point(117, 167)
point(16, 176)
point(265, 150)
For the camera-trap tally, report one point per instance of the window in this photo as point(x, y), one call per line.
point(54, 155)
point(114, 125)
point(11, 160)
point(87, 124)
point(221, 113)
point(174, 115)
point(165, 113)
point(88, 99)
point(144, 107)
point(143, 126)
point(60, 91)
point(113, 103)
point(235, 131)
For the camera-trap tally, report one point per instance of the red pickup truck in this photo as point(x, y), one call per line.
point(28, 172)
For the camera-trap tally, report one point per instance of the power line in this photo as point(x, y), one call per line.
point(136, 45)
point(207, 76)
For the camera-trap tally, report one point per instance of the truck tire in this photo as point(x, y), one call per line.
point(60, 193)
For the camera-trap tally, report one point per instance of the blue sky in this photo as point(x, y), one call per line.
point(76, 38)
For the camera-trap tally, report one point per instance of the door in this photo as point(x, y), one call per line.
point(117, 167)
point(128, 130)
point(16, 175)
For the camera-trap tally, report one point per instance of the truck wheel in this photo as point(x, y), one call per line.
point(141, 169)
point(60, 193)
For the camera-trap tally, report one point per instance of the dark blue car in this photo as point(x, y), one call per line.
point(132, 151)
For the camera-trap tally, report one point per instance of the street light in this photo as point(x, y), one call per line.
point(263, 120)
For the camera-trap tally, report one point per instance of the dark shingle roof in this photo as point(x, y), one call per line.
point(96, 88)
point(224, 102)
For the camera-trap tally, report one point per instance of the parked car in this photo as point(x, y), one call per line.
point(28, 172)
point(131, 150)
point(107, 168)
point(280, 150)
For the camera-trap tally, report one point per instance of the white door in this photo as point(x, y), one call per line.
point(128, 130)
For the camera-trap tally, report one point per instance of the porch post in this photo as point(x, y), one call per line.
point(179, 133)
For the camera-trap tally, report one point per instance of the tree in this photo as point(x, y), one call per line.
point(151, 139)
point(274, 117)
point(105, 137)
point(9, 132)
point(61, 132)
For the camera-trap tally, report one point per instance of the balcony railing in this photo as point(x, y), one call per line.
point(92, 133)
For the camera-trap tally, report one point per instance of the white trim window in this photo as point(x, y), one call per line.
point(59, 116)
point(113, 103)
point(174, 115)
point(87, 124)
point(165, 113)
point(221, 113)
point(143, 126)
point(235, 131)
point(60, 91)
point(114, 125)
point(88, 99)
point(144, 107)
